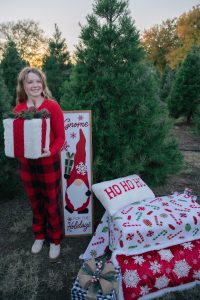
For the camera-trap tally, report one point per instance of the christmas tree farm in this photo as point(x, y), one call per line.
point(131, 129)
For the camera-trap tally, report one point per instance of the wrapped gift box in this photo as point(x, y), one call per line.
point(78, 293)
point(26, 134)
point(96, 280)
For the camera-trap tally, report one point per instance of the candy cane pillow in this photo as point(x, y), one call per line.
point(118, 193)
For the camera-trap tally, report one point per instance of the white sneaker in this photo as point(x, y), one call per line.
point(37, 246)
point(54, 251)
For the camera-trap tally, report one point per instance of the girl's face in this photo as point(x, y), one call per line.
point(33, 85)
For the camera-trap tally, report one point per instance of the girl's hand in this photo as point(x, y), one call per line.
point(46, 153)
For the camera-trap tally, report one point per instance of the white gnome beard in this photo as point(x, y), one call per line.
point(76, 194)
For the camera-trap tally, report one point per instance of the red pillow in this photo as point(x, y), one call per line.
point(158, 272)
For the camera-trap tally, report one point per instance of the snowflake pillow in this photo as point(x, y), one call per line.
point(154, 273)
point(118, 193)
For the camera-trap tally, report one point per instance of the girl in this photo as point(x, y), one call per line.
point(42, 176)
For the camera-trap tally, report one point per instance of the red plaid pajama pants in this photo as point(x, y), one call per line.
point(42, 182)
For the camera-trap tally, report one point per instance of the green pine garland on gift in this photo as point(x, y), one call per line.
point(29, 114)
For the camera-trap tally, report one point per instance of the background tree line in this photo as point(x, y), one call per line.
point(174, 49)
point(170, 42)
point(24, 44)
point(130, 83)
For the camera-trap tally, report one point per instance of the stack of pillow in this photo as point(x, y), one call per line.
point(155, 240)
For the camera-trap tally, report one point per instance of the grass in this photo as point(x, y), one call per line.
point(24, 276)
point(19, 275)
point(20, 225)
point(27, 277)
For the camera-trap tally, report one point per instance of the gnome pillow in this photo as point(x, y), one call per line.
point(118, 193)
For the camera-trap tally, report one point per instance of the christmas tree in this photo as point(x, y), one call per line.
point(185, 93)
point(8, 167)
point(11, 65)
point(197, 120)
point(56, 63)
point(130, 124)
point(166, 83)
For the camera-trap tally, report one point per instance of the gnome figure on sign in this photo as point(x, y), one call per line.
point(77, 194)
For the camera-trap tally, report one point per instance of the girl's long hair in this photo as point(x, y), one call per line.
point(21, 94)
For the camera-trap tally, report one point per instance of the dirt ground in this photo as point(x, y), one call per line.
point(27, 277)
point(189, 176)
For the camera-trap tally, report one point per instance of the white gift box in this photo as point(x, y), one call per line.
point(26, 138)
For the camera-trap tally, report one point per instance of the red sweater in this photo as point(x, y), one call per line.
point(57, 131)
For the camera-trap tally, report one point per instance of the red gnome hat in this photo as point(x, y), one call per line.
point(79, 170)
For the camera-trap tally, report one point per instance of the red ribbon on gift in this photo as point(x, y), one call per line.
point(18, 136)
point(44, 130)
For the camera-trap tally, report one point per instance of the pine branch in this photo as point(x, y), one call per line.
point(28, 114)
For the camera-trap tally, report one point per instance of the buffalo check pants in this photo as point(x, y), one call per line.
point(42, 182)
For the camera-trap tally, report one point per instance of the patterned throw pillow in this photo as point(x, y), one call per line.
point(156, 272)
point(118, 193)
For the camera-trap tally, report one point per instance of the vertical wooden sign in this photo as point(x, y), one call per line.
point(76, 157)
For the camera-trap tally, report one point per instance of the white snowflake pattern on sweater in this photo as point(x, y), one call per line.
point(196, 275)
point(188, 245)
point(162, 282)
point(131, 278)
point(144, 290)
point(81, 168)
point(138, 259)
point(166, 254)
point(181, 268)
point(155, 267)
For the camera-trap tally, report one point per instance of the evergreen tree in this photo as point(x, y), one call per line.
point(166, 83)
point(130, 125)
point(8, 166)
point(197, 120)
point(56, 63)
point(185, 93)
point(11, 64)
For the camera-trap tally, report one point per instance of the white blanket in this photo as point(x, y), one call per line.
point(147, 225)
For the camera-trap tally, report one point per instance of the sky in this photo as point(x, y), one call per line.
point(67, 14)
